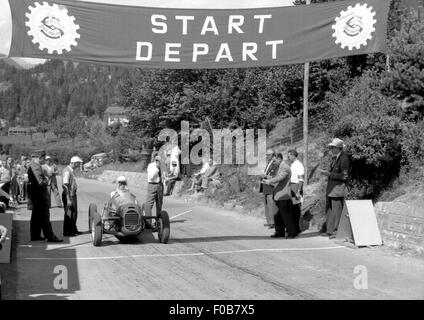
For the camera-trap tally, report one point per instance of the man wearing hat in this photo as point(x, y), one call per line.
point(39, 195)
point(336, 187)
point(69, 198)
point(121, 187)
point(154, 187)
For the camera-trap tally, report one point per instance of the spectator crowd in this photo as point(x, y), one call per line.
point(282, 186)
point(14, 180)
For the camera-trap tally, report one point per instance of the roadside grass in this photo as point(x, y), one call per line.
point(408, 188)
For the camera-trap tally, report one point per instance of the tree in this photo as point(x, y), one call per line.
point(69, 127)
point(405, 80)
point(43, 127)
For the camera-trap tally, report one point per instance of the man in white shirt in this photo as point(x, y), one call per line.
point(69, 198)
point(154, 187)
point(296, 185)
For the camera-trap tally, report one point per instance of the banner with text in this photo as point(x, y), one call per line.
point(196, 38)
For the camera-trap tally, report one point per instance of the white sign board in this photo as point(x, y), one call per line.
point(364, 223)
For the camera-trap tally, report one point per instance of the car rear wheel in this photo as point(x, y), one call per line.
point(91, 209)
point(163, 227)
point(96, 229)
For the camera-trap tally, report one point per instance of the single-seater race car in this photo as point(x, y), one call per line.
point(124, 218)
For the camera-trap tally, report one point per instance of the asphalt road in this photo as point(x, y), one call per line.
point(212, 254)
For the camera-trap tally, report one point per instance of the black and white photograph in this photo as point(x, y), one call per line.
point(211, 155)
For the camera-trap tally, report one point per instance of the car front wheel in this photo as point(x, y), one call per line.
point(96, 229)
point(163, 227)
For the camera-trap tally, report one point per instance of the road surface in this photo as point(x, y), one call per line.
point(212, 254)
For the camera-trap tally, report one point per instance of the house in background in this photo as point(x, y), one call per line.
point(20, 131)
point(114, 114)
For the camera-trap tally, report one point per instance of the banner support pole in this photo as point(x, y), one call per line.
point(305, 115)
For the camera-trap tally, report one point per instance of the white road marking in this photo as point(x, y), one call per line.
point(180, 214)
point(36, 295)
point(276, 249)
point(186, 254)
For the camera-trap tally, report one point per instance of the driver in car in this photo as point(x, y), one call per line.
point(122, 186)
point(121, 189)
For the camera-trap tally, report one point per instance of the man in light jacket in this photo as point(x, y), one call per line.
point(69, 198)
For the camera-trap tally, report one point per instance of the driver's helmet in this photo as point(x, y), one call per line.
point(122, 182)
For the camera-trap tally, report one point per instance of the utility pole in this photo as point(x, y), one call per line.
point(305, 115)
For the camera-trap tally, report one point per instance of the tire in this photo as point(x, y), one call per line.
point(96, 229)
point(164, 227)
point(91, 209)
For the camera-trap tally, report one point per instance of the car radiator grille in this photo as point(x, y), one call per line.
point(131, 220)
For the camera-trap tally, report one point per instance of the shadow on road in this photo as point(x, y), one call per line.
point(39, 269)
point(178, 221)
point(143, 238)
point(229, 238)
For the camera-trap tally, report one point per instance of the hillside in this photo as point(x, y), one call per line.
point(54, 89)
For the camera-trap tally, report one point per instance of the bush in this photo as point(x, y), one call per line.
point(412, 141)
point(375, 150)
point(371, 126)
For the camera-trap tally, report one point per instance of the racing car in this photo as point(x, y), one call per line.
point(124, 218)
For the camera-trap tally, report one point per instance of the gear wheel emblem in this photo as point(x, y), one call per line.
point(354, 26)
point(51, 27)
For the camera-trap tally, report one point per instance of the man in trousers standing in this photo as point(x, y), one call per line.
point(39, 195)
point(69, 198)
point(282, 196)
point(296, 185)
point(52, 171)
point(154, 187)
point(270, 171)
point(336, 187)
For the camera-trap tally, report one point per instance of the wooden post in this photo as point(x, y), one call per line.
point(305, 116)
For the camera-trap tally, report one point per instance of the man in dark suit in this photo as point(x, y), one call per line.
point(270, 171)
point(39, 194)
point(284, 220)
point(336, 187)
